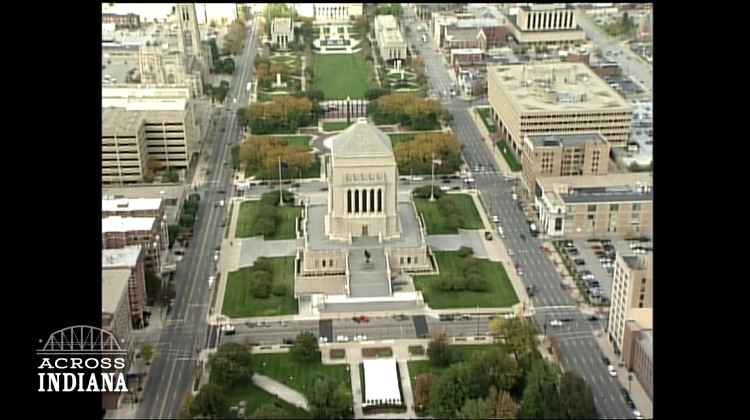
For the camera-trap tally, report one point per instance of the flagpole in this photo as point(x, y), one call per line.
point(432, 181)
point(281, 196)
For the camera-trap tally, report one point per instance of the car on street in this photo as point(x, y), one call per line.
point(606, 361)
point(579, 261)
point(445, 188)
point(250, 324)
point(495, 219)
point(211, 280)
point(356, 319)
point(364, 319)
point(445, 317)
point(324, 188)
point(596, 247)
point(611, 370)
point(360, 337)
point(637, 414)
point(629, 402)
point(224, 223)
point(466, 317)
point(342, 338)
point(400, 317)
point(555, 323)
point(509, 315)
point(593, 318)
point(520, 271)
point(523, 237)
point(511, 253)
point(228, 329)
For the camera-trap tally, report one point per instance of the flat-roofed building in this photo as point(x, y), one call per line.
point(168, 120)
point(282, 32)
point(173, 195)
point(632, 295)
point(391, 43)
point(124, 146)
point(595, 206)
point(538, 24)
point(116, 319)
point(555, 99)
point(126, 21)
point(134, 207)
point(642, 364)
point(563, 155)
point(119, 232)
point(132, 259)
point(329, 12)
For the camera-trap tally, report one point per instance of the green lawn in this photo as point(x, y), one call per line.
point(254, 397)
point(246, 218)
point(401, 137)
point(282, 366)
point(500, 293)
point(286, 227)
point(342, 75)
point(249, 213)
point(240, 303)
point(424, 366)
point(229, 219)
point(485, 113)
point(335, 126)
point(312, 172)
point(510, 158)
point(435, 220)
point(297, 140)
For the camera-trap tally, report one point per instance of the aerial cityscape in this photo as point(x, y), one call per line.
point(378, 210)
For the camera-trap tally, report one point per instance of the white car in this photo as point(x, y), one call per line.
point(511, 253)
point(514, 197)
point(228, 329)
point(445, 188)
point(360, 337)
point(216, 256)
point(495, 219)
point(509, 315)
point(211, 281)
point(342, 339)
point(500, 232)
point(520, 271)
point(637, 414)
point(323, 339)
point(417, 178)
point(555, 323)
point(612, 371)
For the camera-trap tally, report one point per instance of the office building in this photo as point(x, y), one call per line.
point(124, 150)
point(632, 292)
point(132, 259)
point(116, 319)
point(563, 155)
point(119, 232)
point(391, 43)
point(555, 99)
point(164, 67)
point(595, 206)
point(545, 24)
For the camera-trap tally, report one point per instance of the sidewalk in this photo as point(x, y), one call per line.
point(280, 390)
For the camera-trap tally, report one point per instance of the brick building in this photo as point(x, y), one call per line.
point(119, 232)
point(116, 319)
point(130, 258)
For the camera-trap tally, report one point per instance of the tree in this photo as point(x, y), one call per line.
point(447, 395)
point(327, 399)
point(147, 352)
point(521, 337)
point(269, 411)
point(493, 367)
point(500, 405)
point(305, 347)
point(474, 409)
point(210, 402)
point(540, 398)
point(171, 176)
point(440, 351)
point(422, 390)
point(228, 65)
point(576, 397)
point(153, 285)
point(231, 365)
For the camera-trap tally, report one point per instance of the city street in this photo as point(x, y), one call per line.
point(579, 350)
point(172, 371)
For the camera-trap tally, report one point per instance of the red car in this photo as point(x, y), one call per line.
point(596, 247)
point(364, 318)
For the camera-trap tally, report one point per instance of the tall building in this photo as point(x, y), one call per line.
point(132, 259)
point(391, 43)
point(116, 319)
point(632, 295)
point(538, 24)
point(555, 99)
point(124, 151)
point(126, 21)
point(168, 125)
point(161, 66)
point(595, 206)
point(564, 155)
point(119, 232)
point(189, 40)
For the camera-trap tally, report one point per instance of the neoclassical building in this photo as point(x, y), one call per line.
point(335, 12)
point(363, 234)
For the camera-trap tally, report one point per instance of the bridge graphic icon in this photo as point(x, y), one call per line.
point(81, 339)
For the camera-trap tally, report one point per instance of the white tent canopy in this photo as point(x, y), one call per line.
point(381, 382)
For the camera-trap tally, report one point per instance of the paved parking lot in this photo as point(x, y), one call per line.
point(592, 263)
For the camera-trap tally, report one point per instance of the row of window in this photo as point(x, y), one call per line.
point(622, 114)
point(318, 263)
point(409, 259)
point(358, 199)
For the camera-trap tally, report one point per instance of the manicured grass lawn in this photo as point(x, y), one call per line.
point(240, 303)
point(249, 213)
point(510, 158)
point(500, 293)
point(485, 113)
point(229, 217)
point(254, 397)
point(312, 172)
point(335, 126)
point(435, 220)
point(342, 75)
point(400, 137)
point(424, 366)
point(280, 366)
point(297, 140)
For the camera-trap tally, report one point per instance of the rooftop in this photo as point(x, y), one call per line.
point(462, 34)
point(538, 7)
point(566, 140)
point(562, 190)
point(127, 224)
point(114, 288)
point(121, 257)
point(555, 87)
point(281, 25)
point(120, 121)
point(381, 382)
point(131, 204)
point(361, 140)
point(636, 262)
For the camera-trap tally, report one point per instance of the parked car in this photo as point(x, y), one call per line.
point(466, 317)
point(487, 235)
point(322, 339)
point(445, 317)
point(356, 319)
point(579, 261)
point(228, 329)
point(495, 219)
point(611, 370)
point(445, 188)
point(364, 318)
point(555, 323)
point(342, 338)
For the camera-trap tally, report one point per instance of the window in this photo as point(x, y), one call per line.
point(330, 263)
point(590, 217)
point(324, 263)
point(558, 223)
point(402, 260)
point(637, 206)
point(416, 260)
point(614, 207)
point(592, 207)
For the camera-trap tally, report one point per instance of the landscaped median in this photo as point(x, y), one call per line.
point(485, 114)
point(510, 158)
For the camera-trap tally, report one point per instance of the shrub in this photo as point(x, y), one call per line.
point(260, 289)
point(278, 289)
point(477, 283)
point(465, 251)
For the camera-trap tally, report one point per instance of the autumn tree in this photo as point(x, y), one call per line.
point(328, 399)
point(416, 155)
point(520, 336)
point(422, 390)
point(492, 368)
point(265, 152)
point(500, 405)
point(283, 114)
point(147, 352)
point(406, 109)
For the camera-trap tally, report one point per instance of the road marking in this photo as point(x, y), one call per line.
point(169, 383)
